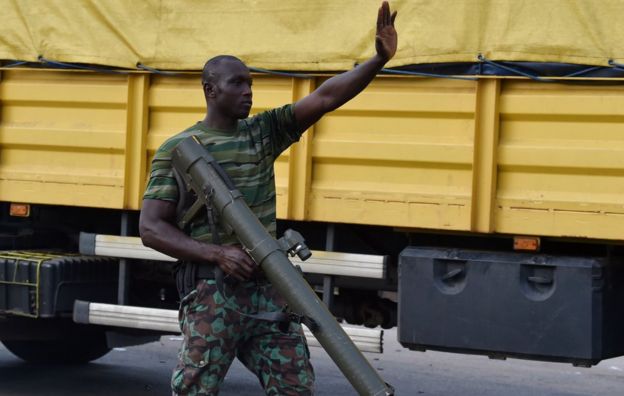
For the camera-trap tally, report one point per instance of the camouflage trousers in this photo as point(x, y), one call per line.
point(215, 333)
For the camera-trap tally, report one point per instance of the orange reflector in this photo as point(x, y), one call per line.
point(527, 243)
point(19, 210)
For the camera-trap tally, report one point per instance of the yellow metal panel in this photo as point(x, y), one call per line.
point(485, 150)
point(561, 160)
point(561, 223)
point(399, 154)
point(271, 92)
point(52, 137)
point(61, 193)
point(136, 129)
point(281, 184)
point(549, 158)
point(81, 89)
point(300, 161)
point(63, 146)
point(545, 101)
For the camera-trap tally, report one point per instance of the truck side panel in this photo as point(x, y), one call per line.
point(561, 160)
point(489, 156)
point(63, 138)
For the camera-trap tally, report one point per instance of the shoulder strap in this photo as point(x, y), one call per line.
point(188, 205)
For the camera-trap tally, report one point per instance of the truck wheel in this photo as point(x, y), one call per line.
point(75, 350)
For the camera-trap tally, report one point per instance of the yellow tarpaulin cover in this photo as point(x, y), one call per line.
point(308, 35)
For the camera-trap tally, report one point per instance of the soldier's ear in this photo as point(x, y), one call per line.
point(209, 89)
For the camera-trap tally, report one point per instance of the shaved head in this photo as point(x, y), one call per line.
point(226, 83)
point(213, 65)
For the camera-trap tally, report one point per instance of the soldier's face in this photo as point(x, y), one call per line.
point(232, 90)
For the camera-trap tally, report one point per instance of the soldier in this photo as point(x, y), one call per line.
point(217, 320)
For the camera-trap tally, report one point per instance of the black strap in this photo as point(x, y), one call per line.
point(223, 175)
point(185, 276)
point(205, 271)
point(306, 320)
point(186, 209)
point(190, 214)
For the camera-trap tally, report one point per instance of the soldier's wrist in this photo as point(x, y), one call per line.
point(213, 253)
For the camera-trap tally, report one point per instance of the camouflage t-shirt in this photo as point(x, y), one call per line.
point(246, 154)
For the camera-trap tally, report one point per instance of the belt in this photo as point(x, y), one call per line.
point(205, 271)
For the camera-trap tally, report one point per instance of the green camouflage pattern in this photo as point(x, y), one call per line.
point(246, 154)
point(216, 330)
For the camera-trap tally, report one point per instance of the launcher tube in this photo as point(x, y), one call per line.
point(198, 168)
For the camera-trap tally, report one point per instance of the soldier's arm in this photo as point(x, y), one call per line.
point(158, 231)
point(339, 89)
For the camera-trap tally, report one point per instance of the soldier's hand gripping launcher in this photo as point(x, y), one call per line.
point(208, 180)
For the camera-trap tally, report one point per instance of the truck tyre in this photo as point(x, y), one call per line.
point(74, 350)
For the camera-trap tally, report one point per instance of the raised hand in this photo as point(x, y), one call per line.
point(386, 35)
point(339, 89)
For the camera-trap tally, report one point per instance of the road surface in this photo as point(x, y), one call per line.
point(145, 370)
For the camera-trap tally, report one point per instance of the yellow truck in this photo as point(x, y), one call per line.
point(473, 194)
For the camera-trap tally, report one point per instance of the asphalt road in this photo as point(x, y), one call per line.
point(145, 370)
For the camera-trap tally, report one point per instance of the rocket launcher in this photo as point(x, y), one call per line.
point(207, 179)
